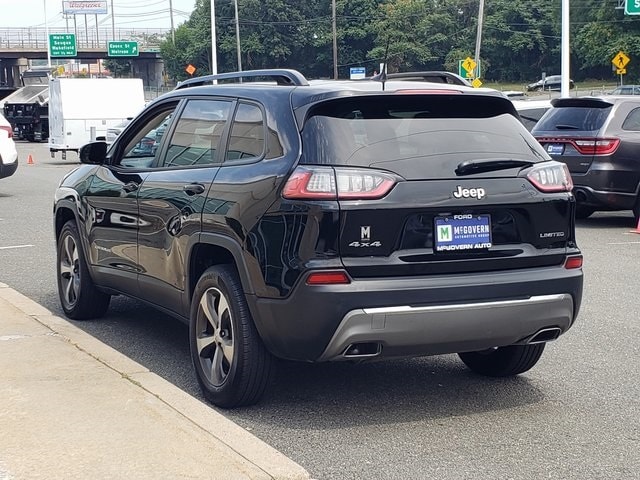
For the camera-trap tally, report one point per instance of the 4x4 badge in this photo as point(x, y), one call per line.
point(477, 193)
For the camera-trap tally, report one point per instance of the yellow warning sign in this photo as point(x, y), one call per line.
point(476, 83)
point(469, 65)
point(620, 60)
point(621, 71)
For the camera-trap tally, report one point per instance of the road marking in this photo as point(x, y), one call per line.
point(624, 243)
point(16, 246)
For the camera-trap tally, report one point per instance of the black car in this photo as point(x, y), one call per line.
point(552, 82)
point(326, 222)
point(599, 140)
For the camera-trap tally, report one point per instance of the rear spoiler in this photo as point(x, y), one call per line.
point(585, 102)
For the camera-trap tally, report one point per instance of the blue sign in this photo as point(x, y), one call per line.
point(357, 73)
point(462, 232)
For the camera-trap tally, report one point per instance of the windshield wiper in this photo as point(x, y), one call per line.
point(490, 165)
point(566, 127)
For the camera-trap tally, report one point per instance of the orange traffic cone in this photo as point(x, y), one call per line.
point(29, 160)
point(637, 229)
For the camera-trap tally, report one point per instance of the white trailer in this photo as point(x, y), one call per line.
point(81, 109)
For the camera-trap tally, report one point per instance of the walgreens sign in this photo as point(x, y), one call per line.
point(83, 7)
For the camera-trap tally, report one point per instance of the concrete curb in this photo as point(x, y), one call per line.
point(238, 440)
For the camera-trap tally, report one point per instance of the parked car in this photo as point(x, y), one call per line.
point(531, 111)
point(626, 90)
point(327, 222)
point(113, 132)
point(599, 140)
point(8, 152)
point(553, 82)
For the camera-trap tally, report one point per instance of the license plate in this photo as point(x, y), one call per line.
point(462, 232)
point(555, 148)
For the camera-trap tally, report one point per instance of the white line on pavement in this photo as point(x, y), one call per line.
point(623, 243)
point(16, 246)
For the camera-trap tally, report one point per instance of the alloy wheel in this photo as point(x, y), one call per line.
point(70, 271)
point(215, 336)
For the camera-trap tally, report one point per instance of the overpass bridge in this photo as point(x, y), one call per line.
point(20, 46)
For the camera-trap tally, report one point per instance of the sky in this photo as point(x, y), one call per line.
point(128, 13)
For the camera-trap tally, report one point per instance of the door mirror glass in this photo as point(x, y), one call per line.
point(93, 153)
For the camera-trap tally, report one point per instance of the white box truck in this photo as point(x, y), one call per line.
point(81, 109)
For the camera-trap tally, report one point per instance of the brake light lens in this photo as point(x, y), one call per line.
point(327, 183)
point(7, 129)
point(586, 146)
point(573, 262)
point(337, 277)
point(550, 177)
point(601, 146)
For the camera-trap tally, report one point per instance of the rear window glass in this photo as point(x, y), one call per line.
point(415, 138)
point(585, 119)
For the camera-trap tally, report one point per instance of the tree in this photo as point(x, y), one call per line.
point(119, 67)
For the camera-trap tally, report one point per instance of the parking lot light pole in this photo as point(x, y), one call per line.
point(565, 52)
point(46, 34)
point(214, 53)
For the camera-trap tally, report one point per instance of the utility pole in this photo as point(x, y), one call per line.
point(335, 39)
point(214, 52)
point(46, 33)
point(113, 23)
point(565, 53)
point(479, 34)
point(173, 31)
point(235, 4)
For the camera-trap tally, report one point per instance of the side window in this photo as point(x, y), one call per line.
point(247, 134)
point(632, 122)
point(196, 138)
point(141, 150)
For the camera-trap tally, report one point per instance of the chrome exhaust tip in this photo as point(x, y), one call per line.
point(363, 350)
point(545, 335)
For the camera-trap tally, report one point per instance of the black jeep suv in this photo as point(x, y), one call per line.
point(323, 221)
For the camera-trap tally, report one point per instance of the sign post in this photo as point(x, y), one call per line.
point(62, 45)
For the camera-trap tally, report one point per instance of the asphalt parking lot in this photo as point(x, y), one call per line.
point(576, 415)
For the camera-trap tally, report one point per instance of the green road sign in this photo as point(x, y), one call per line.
point(632, 7)
point(468, 69)
point(62, 45)
point(123, 49)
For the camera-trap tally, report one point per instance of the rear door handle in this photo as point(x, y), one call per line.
point(131, 187)
point(193, 189)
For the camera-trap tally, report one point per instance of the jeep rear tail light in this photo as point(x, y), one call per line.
point(550, 177)
point(573, 262)
point(601, 146)
point(327, 183)
point(7, 129)
point(337, 277)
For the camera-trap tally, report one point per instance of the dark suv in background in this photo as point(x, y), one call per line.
point(599, 140)
point(326, 221)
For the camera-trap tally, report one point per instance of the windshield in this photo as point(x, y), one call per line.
point(587, 119)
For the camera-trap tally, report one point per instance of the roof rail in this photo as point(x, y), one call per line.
point(282, 76)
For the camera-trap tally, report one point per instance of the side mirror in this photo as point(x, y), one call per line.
point(93, 153)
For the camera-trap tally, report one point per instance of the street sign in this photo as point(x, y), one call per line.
point(190, 69)
point(476, 83)
point(621, 71)
point(620, 60)
point(62, 45)
point(357, 73)
point(632, 7)
point(468, 68)
point(123, 49)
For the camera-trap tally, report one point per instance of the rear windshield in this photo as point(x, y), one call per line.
point(584, 119)
point(408, 136)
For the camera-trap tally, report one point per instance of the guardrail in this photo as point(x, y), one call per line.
point(36, 38)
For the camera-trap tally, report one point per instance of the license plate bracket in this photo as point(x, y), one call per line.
point(455, 233)
point(555, 148)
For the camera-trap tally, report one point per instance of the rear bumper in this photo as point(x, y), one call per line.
point(396, 331)
point(604, 199)
point(412, 316)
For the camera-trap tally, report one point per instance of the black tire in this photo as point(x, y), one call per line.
point(79, 297)
point(503, 361)
point(582, 211)
point(232, 365)
point(636, 212)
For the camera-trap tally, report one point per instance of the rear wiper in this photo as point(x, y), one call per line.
point(566, 127)
point(490, 165)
